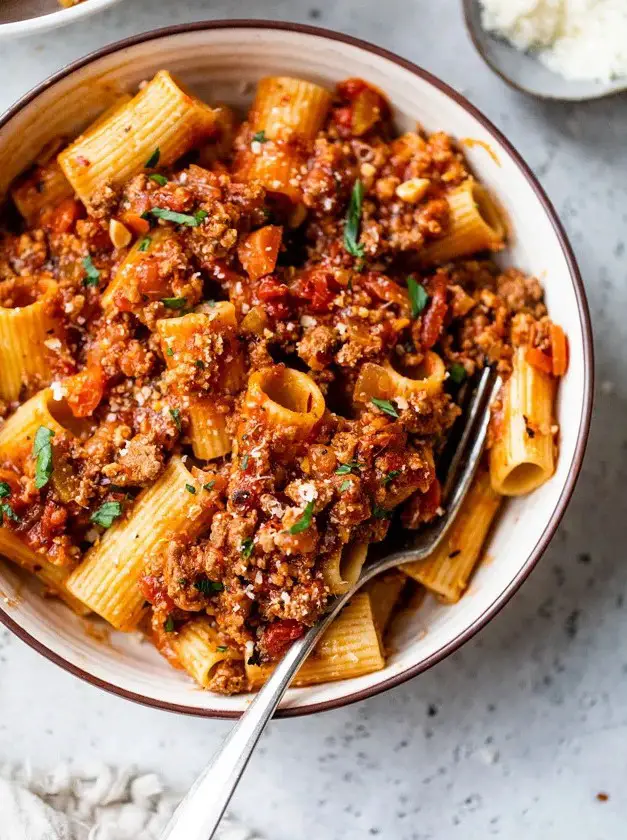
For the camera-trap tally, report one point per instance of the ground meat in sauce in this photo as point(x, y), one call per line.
point(316, 307)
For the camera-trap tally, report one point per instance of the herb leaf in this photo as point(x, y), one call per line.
point(304, 521)
point(209, 485)
point(168, 624)
point(158, 179)
point(175, 414)
point(92, 272)
point(379, 512)
point(260, 137)
point(345, 485)
point(42, 451)
point(174, 303)
point(244, 464)
point(353, 221)
point(106, 514)
point(7, 510)
point(179, 218)
point(345, 469)
point(246, 547)
point(190, 489)
point(389, 477)
point(144, 244)
point(169, 352)
point(208, 586)
point(418, 296)
point(457, 373)
point(222, 648)
point(385, 406)
point(5, 490)
point(153, 160)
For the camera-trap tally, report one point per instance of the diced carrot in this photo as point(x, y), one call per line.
point(135, 222)
point(85, 390)
point(259, 251)
point(539, 360)
point(65, 215)
point(559, 350)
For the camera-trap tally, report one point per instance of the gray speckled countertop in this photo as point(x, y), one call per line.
point(515, 735)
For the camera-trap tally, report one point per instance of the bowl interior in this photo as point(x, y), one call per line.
point(223, 64)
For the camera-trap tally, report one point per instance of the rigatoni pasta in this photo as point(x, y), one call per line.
point(522, 457)
point(28, 332)
point(230, 359)
point(106, 581)
point(447, 571)
point(164, 121)
point(349, 648)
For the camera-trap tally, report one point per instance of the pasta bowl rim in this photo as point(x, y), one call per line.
point(350, 696)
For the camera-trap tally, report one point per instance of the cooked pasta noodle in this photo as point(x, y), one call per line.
point(446, 572)
point(522, 457)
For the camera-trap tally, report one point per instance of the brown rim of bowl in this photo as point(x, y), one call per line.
point(544, 97)
point(584, 420)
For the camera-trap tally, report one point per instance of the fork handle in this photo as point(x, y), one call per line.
point(199, 814)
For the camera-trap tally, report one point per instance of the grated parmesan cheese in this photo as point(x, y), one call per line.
point(579, 39)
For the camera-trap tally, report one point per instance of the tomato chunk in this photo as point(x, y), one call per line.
point(85, 390)
point(153, 589)
point(259, 251)
point(279, 636)
point(433, 318)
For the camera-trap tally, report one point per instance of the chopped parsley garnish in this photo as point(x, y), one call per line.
point(92, 272)
point(247, 547)
point(168, 624)
point(222, 648)
point(208, 586)
point(199, 364)
point(153, 160)
point(174, 303)
point(158, 179)
point(244, 464)
point(389, 477)
point(7, 510)
point(107, 514)
point(353, 221)
point(379, 512)
point(42, 451)
point(418, 296)
point(179, 218)
point(457, 373)
point(144, 243)
point(169, 352)
point(345, 485)
point(5, 490)
point(345, 469)
point(209, 485)
point(259, 137)
point(304, 521)
point(175, 414)
point(385, 406)
point(190, 489)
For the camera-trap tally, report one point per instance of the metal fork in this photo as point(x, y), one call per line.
point(200, 812)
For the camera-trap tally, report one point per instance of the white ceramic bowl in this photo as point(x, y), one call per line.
point(27, 17)
point(222, 61)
